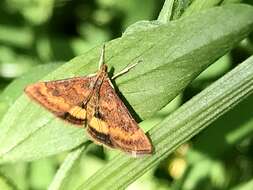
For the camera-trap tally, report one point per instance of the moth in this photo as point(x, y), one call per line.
point(92, 102)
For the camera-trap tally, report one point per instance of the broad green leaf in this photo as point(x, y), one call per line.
point(170, 56)
point(177, 128)
point(141, 26)
point(15, 89)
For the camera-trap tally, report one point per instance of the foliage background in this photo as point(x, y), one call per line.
point(38, 36)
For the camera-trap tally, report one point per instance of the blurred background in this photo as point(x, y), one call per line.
point(36, 32)
point(51, 32)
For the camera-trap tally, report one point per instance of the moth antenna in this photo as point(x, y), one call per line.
point(102, 57)
point(126, 69)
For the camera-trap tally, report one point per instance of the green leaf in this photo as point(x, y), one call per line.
point(166, 12)
point(16, 174)
point(5, 184)
point(15, 89)
point(76, 167)
point(172, 10)
point(62, 175)
point(231, 1)
point(179, 7)
point(237, 125)
point(207, 169)
point(216, 70)
point(244, 186)
point(229, 130)
point(170, 55)
point(177, 128)
point(199, 5)
point(141, 26)
point(21, 37)
point(44, 167)
point(35, 12)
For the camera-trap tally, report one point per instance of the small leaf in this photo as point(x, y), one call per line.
point(172, 10)
point(171, 55)
point(166, 12)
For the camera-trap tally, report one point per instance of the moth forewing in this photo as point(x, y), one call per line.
point(92, 100)
point(124, 132)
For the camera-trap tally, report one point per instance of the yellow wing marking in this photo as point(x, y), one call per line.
point(78, 112)
point(99, 125)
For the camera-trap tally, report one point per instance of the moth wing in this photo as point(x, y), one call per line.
point(116, 127)
point(63, 97)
